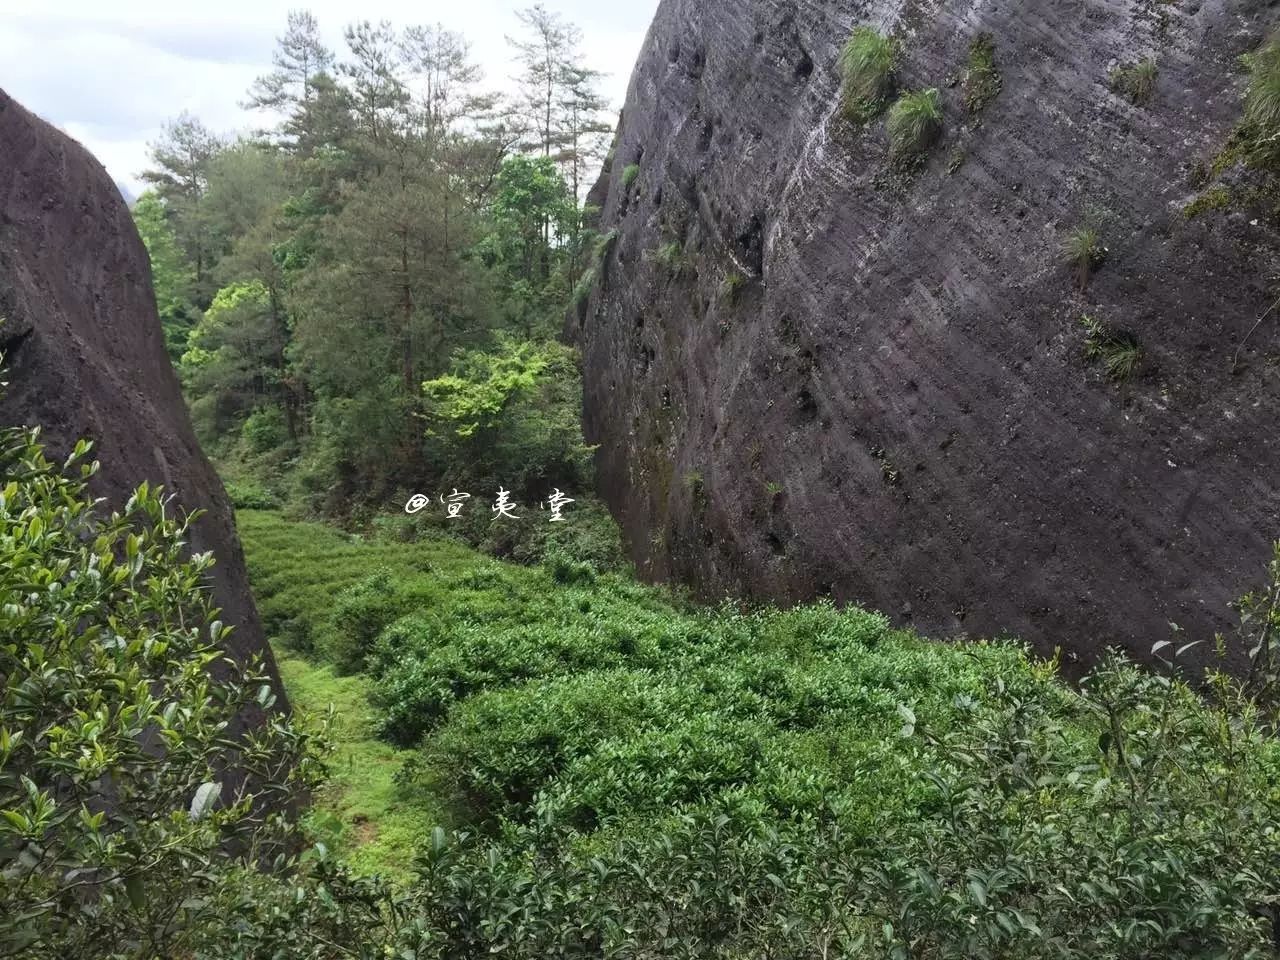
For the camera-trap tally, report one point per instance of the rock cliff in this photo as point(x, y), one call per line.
point(812, 371)
point(83, 346)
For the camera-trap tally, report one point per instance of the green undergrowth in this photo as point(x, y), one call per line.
point(617, 773)
point(361, 813)
point(517, 693)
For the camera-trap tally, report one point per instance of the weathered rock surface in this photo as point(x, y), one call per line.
point(893, 405)
point(84, 351)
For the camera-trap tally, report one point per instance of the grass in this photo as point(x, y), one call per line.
point(362, 814)
point(732, 286)
point(915, 122)
point(867, 65)
point(1136, 81)
point(1083, 252)
point(1262, 101)
point(982, 80)
point(582, 290)
point(630, 175)
point(606, 243)
point(1119, 350)
point(1259, 131)
point(1216, 197)
point(671, 256)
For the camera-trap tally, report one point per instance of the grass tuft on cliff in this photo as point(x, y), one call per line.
point(1262, 101)
point(1119, 350)
point(867, 65)
point(1083, 252)
point(982, 80)
point(915, 122)
point(1136, 81)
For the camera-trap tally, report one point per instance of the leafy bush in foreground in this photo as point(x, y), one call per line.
point(118, 806)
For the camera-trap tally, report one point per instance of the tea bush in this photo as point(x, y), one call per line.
point(635, 778)
point(629, 776)
point(123, 825)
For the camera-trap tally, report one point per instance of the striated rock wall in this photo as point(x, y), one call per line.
point(810, 373)
point(83, 346)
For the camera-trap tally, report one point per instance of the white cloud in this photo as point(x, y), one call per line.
point(111, 75)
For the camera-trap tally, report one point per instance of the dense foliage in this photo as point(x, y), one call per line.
point(630, 777)
point(618, 775)
point(133, 785)
point(337, 288)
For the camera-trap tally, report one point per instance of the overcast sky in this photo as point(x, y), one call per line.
point(111, 74)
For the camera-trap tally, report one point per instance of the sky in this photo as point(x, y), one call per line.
point(112, 74)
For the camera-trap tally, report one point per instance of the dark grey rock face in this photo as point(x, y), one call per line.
point(845, 380)
point(84, 351)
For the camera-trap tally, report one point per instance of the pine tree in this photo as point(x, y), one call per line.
point(300, 57)
point(373, 73)
point(182, 159)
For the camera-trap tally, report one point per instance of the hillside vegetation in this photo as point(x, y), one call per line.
point(505, 745)
point(553, 692)
point(613, 774)
point(362, 302)
point(621, 774)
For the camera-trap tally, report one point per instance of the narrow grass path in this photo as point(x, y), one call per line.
point(362, 813)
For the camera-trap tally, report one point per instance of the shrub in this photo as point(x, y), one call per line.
point(1117, 839)
point(502, 748)
point(1137, 81)
point(264, 430)
point(360, 613)
point(1262, 101)
point(1132, 819)
point(567, 571)
point(982, 80)
point(630, 174)
point(867, 65)
point(1083, 252)
point(511, 416)
point(1118, 350)
point(799, 782)
point(582, 290)
point(123, 831)
point(251, 495)
point(915, 121)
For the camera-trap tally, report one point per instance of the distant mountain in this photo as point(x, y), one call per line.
point(129, 195)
